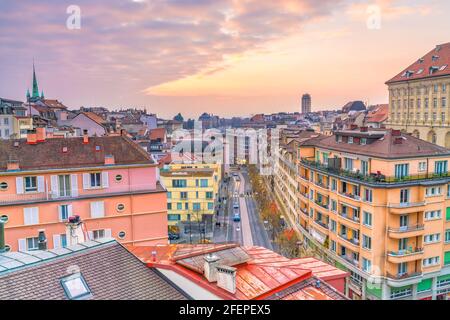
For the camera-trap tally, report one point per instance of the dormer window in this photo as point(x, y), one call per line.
point(435, 58)
point(75, 287)
point(350, 140)
point(363, 141)
point(339, 138)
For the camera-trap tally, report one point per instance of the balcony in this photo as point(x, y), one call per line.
point(405, 255)
point(322, 185)
point(350, 260)
point(374, 178)
point(407, 207)
point(348, 218)
point(37, 197)
point(322, 205)
point(399, 279)
point(350, 196)
point(321, 224)
point(354, 242)
point(406, 231)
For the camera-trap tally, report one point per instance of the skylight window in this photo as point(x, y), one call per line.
point(76, 287)
point(442, 68)
point(419, 71)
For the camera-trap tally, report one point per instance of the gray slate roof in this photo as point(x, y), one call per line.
point(110, 270)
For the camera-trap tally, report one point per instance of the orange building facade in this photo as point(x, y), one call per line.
point(109, 182)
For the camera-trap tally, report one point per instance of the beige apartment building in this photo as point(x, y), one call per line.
point(375, 202)
point(419, 97)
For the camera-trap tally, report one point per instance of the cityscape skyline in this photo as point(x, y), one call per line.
point(229, 57)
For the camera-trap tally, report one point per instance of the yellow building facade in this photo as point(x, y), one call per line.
point(378, 204)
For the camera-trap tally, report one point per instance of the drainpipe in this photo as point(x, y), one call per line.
point(2, 236)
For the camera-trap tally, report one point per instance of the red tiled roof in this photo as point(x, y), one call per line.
point(158, 133)
point(441, 61)
point(265, 274)
point(379, 114)
point(94, 117)
point(53, 104)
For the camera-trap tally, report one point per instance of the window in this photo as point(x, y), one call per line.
point(75, 287)
point(404, 196)
point(204, 183)
point(440, 167)
point(333, 245)
point(364, 167)
point(183, 195)
point(209, 195)
point(435, 102)
point(179, 183)
point(95, 179)
point(31, 184)
point(433, 191)
point(367, 219)
point(350, 140)
point(333, 205)
point(120, 207)
point(210, 205)
point(363, 141)
point(348, 164)
point(169, 206)
point(32, 244)
point(432, 238)
point(196, 206)
point(97, 209)
point(179, 206)
point(444, 87)
point(98, 234)
point(431, 261)
point(186, 206)
point(333, 226)
point(31, 216)
point(169, 195)
point(433, 215)
point(4, 218)
point(366, 265)
point(64, 212)
point(64, 185)
point(119, 177)
point(121, 235)
point(401, 170)
point(447, 235)
point(3, 186)
point(367, 242)
point(333, 185)
point(174, 217)
point(422, 166)
point(402, 268)
point(368, 195)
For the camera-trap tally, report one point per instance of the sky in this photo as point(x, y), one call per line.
point(227, 57)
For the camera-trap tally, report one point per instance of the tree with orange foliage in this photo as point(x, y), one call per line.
point(288, 243)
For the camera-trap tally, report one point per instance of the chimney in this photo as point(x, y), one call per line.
point(364, 129)
point(12, 165)
point(2, 236)
point(74, 231)
point(226, 278)
point(85, 137)
point(42, 240)
point(396, 133)
point(210, 267)
point(40, 134)
point(109, 160)
point(31, 137)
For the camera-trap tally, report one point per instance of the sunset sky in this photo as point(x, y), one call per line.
point(227, 57)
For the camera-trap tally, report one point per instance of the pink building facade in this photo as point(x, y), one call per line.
point(107, 181)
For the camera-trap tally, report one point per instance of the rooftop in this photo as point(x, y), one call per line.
point(434, 64)
point(105, 268)
point(260, 272)
point(49, 154)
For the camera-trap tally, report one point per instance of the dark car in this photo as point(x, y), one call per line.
point(174, 236)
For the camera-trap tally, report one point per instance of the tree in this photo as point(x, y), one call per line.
point(288, 242)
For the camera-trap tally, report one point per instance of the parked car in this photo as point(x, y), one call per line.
point(174, 236)
point(237, 217)
point(236, 205)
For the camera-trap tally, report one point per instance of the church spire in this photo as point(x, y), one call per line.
point(35, 84)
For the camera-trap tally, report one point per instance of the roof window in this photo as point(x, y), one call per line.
point(76, 287)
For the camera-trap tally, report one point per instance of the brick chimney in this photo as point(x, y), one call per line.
point(210, 267)
point(12, 165)
point(85, 137)
point(109, 160)
point(31, 137)
point(41, 134)
point(74, 231)
point(226, 278)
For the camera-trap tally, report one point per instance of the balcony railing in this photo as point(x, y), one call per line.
point(406, 252)
point(11, 199)
point(416, 227)
point(322, 224)
point(347, 217)
point(322, 185)
point(403, 276)
point(350, 195)
point(323, 205)
point(351, 260)
point(352, 240)
point(374, 177)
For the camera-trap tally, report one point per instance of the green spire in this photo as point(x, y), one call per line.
point(28, 93)
point(35, 84)
point(42, 94)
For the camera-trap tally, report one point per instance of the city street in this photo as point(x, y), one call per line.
point(250, 230)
